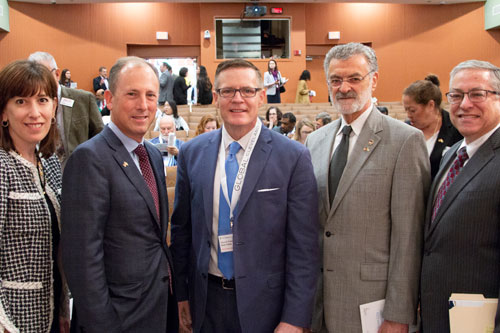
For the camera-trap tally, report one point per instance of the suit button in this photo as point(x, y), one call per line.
point(328, 234)
point(204, 275)
point(164, 279)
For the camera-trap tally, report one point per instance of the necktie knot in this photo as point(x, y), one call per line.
point(141, 152)
point(234, 148)
point(346, 130)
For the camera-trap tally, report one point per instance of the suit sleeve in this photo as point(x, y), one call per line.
point(181, 228)
point(96, 84)
point(302, 263)
point(95, 119)
point(85, 207)
point(410, 186)
point(163, 80)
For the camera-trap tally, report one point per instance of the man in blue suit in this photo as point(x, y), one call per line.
point(114, 215)
point(244, 227)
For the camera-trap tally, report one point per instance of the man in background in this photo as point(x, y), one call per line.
point(101, 82)
point(322, 119)
point(78, 118)
point(287, 127)
point(166, 83)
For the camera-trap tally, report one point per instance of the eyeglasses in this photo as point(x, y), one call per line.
point(352, 80)
point(245, 92)
point(475, 96)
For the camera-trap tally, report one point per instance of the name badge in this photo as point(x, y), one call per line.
point(226, 243)
point(67, 102)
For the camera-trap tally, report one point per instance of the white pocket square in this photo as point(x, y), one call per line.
point(268, 189)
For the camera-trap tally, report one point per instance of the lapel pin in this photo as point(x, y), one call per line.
point(370, 142)
point(125, 164)
point(440, 140)
point(366, 149)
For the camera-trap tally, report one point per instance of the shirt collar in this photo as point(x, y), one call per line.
point(357, 125)
point(227, 139)
point(473, 146)
point(128, 143)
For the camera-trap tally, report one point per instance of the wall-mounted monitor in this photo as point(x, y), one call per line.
point(251, 39)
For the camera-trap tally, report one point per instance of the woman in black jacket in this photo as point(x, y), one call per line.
point(204, 87)
point(181, 87)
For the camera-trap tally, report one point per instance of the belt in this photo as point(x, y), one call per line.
point(224, 283)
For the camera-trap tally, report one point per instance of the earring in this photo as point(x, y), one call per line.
point(5, 123)
point(53, 120)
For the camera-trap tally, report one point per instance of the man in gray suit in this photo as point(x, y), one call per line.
point(166, 84)
point(373, 174)
point(462, 230)
point(115, 213)
point(78, 118)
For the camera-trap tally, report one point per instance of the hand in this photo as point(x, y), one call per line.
point(392, 327)
point(184, 317)
point(64, 324)
point(287, 328)
point(173, 150)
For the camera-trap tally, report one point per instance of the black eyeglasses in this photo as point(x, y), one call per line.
point(352, 80)
point(475, 96)
point(245, 92)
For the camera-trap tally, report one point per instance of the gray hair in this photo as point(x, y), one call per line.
point(114, 73)
point(346, 51)
point(325, 116)
point(40, 57)
point(479, 64)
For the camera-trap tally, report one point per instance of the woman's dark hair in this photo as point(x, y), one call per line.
point(63, 78)
point(183, 72)
point(25, 78)
point(269, 68)
point(306, 75)
point(278, 113)
point(204, 80)
point(173, 106)
point(423, 91)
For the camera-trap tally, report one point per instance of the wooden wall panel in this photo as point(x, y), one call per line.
point(410, 40)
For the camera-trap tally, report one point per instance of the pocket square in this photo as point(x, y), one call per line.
point(268, 189)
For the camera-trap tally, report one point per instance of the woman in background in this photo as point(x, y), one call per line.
point(204, 87)
point(207, 123)
point(33, 297)
point(273, 117)
point(170, 108)
point(422, 103)
point(181, 87)
point(302, 95)
point(303, 128)
point(272, 82)
point(65, 79)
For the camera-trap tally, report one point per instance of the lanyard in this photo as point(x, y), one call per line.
point(242, 169)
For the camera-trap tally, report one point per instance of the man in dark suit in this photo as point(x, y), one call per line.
point(78, 118)
point(115, 212)
point(166, 83)
point(246, 254)
point(461, 238)
point(101, 82)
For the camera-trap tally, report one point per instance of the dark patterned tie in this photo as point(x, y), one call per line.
point(147, 174)
point(149, 178)
point(339, 160)
point(455, 169)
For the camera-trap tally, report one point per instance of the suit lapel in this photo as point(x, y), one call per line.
point(207, 174)
point(324, 159)
point(125, 163)
point(482, 157)
point(256, 165)
point(365, 145)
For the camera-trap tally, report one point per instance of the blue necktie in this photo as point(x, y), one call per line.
point(225, 260)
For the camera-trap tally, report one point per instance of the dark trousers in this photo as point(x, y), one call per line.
point(276, 98)
point(221, 314)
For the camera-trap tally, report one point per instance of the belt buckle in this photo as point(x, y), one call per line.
point(224, 285)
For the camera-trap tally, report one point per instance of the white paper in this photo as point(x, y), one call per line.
point(371, 316)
